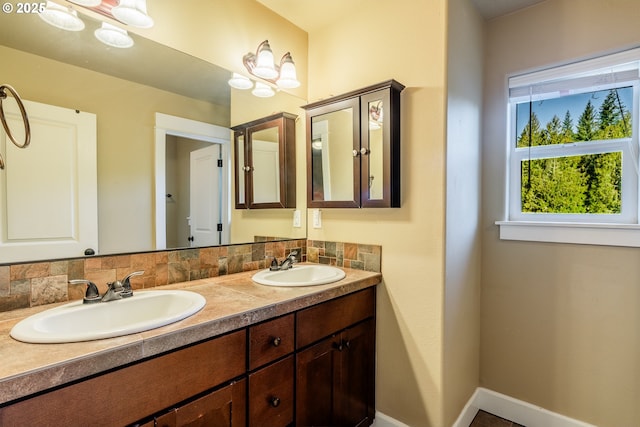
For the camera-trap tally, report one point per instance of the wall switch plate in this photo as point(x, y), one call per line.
point(317, 218)
point(296, 219)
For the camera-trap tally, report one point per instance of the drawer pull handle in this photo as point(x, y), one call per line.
point(338, 345)
point(275, 402)
point(276, 341)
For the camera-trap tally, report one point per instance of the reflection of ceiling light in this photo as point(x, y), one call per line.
point(239, 81)
point(87, 3)
point(113, 36)
point(61, 17)
point(133, 12)
point(262, 66)
point(262, 90)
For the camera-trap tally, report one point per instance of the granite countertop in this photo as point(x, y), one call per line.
point(233, 302)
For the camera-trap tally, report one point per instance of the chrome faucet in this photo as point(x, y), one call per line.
point(116, 290)
point(287, 263)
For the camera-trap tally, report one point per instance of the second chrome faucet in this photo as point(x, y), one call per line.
point(116, 290)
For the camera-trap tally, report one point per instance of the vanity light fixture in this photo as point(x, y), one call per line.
point(61, 17)
point(113, 36)
point(239, 81)
point(262, 90)
point(133, 12)
point(261, 65)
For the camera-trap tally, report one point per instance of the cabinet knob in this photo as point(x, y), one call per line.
point(276, 341)
point(275, 401)
point(364, 151)
point(356, 153)
point(338, 345)
point(247, 168)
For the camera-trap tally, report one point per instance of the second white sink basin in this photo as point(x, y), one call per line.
point(76, 321)
point(300, 275)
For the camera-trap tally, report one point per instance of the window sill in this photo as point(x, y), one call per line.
point(576, 233)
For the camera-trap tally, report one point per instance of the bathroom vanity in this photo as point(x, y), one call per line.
point(254, 356)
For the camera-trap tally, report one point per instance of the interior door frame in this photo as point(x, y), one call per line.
point(187, 128)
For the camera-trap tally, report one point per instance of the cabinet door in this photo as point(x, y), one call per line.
point(355, 394)
point(241, 168)
point(333, 156)
point(335, 383)
point(380, 149)
point(316, 375)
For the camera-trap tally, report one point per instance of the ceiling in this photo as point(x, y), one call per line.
point(309, 18)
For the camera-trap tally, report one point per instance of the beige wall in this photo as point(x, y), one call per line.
point(462, 283)
point(404, 40)
point(560, 323)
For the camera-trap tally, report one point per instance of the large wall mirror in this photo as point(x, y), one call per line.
point(125, 89)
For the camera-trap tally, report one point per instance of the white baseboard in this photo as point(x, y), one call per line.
point(383, 420)
point(513, 409)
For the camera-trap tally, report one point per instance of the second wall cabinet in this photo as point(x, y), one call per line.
point(265, 162)
point(353, 149)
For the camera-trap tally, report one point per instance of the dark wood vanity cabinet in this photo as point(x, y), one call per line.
point(265, 162)
point(335, 375)
point(311, 367)
point(353, 148)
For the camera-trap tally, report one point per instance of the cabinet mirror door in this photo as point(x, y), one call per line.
point(375, 148)
point(334, 135)
point(265, 160)
point(241, 170)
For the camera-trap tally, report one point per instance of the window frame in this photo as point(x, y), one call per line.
point(607, 229)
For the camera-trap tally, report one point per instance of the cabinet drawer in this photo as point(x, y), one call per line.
point(270, 340)
point(324, 319)
point(271, 395)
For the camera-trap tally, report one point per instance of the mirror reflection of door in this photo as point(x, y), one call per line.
point(193, 199)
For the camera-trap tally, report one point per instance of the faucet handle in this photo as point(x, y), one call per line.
point(92, 294)
point(126, 284)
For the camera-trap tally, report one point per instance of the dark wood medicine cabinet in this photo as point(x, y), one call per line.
point(265, 162)
point(353, 149)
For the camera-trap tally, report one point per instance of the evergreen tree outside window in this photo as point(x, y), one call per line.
point(573, 142)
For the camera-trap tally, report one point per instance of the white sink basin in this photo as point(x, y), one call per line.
point(76, 321)
point(300, 275)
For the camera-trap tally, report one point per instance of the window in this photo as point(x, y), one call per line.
point(573, 143)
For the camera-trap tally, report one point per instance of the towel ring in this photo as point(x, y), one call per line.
point(25, 119)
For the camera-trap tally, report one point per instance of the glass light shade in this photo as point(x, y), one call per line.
point(87, 3)
point(133, 12)
point(262, 90)
point(61, 17)
point(239, 81)
point(288, 78)
point(113, 36)
point(264, 67)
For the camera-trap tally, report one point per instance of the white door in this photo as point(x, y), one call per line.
point(205, 196)
point(48, 191)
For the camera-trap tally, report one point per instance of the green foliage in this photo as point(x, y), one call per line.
point(575, 184)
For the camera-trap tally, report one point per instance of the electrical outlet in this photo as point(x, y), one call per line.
point(317, 218)
point(296, 219)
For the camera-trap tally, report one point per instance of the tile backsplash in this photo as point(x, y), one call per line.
point(32, 284)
